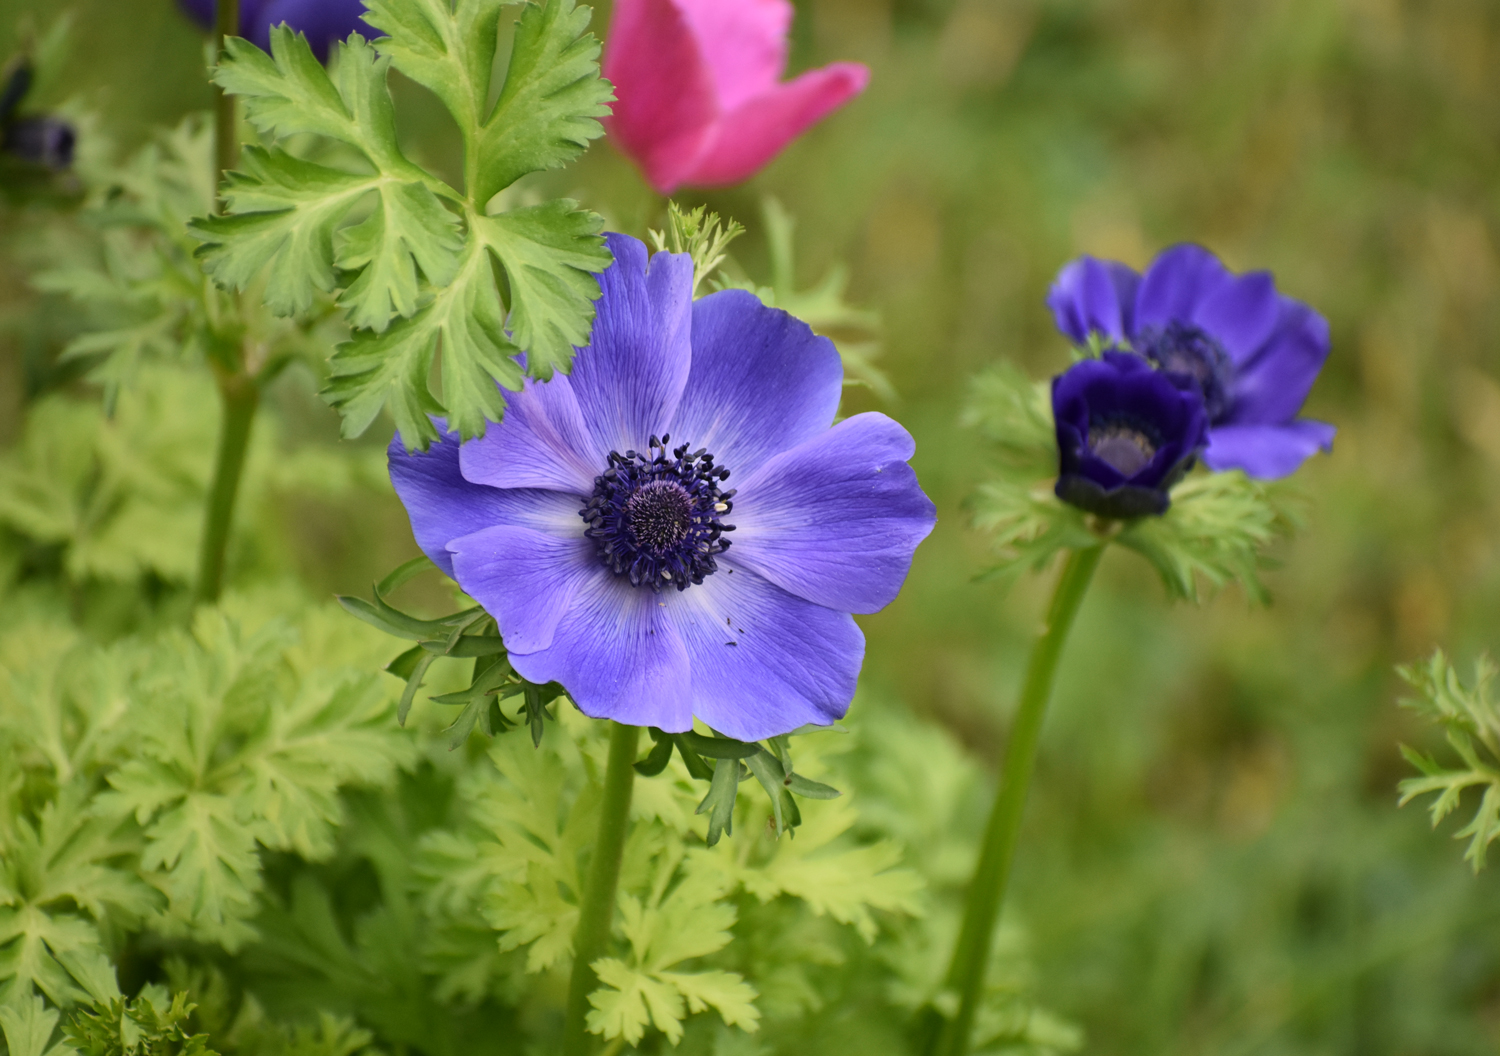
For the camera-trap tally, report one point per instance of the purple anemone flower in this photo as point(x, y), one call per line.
point(1125, 434)
point(595, 522)
point(1254, 352)
point(321, 21)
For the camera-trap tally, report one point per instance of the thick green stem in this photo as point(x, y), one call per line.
point(226, 131)
point(598, 909)
point(239, 396)
point(987, 890)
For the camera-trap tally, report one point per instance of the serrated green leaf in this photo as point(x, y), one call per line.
point(447, 49)
point(549, 253)
point(408, 229)
point(465, 319)
point(290, 92)
point(27, 1024)
point(283, 212)
point(725, 992)
point(551, 101)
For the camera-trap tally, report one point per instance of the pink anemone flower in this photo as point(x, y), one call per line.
point(699, 92)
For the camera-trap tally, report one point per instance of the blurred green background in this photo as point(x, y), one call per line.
point(1213, 861)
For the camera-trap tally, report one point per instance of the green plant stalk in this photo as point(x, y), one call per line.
point(598, 909)
point(226, 129)
point(239, 395)
point(987, 890)
point(239, 392)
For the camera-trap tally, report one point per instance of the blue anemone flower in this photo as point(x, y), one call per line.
point(595, 522)
point(1254, 352)
point(1125, 434)
point(321, 21)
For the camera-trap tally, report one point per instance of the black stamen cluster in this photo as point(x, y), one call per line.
point(658, 519)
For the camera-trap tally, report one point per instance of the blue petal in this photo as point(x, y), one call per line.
point(1272, 387)
point(1241, 314)
point(1094, 295)
point(619, 655)
point(761, 382)
point(836, 519)
point(443, 505)
point(1178, 280)
point(541, 442)
point(765, 662)
point(524, 578)
point(322, 21)
point(629, 380)
point(1267, 452)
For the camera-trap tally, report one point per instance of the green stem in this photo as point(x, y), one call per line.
point(598, 909)
point(987, 890)
point(239, 395)
point(226, 130)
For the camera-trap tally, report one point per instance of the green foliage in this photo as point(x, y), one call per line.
point(146, 1026)
point(1215, 532)
point(132, 273)
point(854, 331)
point(122, 496)
point(411, 259)
point(1470, 721)
point(700, 234)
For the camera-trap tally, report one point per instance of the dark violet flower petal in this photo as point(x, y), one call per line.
point(1092, 295)
point(854, 476)
point(443, 505)
point(761, 380)
point(765, 661)
point(321, 21)
point(1252, 352)
point(45, 141)
point(595, 522)
point(1125, 434)
point(1240, 314)
point(1178, 280)
point(1272, 387)
point(524, 578)
point(1267, 452)
point(629, 383)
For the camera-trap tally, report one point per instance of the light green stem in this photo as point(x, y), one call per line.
point(239, 392)
point(987, 890)
point(239, 395)
point(598, 909)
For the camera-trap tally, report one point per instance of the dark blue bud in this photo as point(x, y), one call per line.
point(1125, 434)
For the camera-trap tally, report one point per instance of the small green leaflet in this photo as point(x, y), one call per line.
point(413, 262)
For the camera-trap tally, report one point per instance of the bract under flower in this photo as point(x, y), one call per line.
point(698, 92)
point(1254, 352)
point(321, 21)
point(1125, 434)
point(676, 528)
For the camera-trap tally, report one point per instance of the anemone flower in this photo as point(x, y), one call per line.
point(321, 21)
point(699, 98)
point(595, 522)
point(1253, 352)
point(1125, 434)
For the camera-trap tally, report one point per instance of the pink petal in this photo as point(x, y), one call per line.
point(747, 139)
point(665, 96)
point(744, 43)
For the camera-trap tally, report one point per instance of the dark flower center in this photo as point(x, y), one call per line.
point(657, 518)
point(1184, 349)
point(1125, 444)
